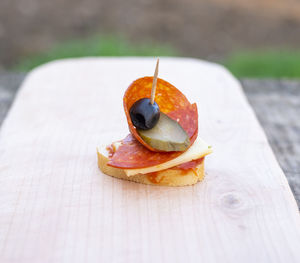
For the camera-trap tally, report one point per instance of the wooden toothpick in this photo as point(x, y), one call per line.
point(154, 82)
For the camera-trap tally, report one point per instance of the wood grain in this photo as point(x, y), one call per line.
point(277, 106)
point(57, 207)
point(9, 84)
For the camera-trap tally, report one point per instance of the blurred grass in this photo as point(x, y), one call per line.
point(256, 64)
point(95, 46)
point(265, 64)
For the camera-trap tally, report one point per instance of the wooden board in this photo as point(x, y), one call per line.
point(57, 207)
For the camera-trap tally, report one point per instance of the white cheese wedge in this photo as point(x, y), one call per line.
point(198, 150)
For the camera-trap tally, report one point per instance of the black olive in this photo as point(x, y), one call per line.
point(143, 114)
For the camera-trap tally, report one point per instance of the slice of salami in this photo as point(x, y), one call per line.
point(190, 164)
point(169, 99)
point(132, 154)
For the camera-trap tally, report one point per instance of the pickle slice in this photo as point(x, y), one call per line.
point(167, 135)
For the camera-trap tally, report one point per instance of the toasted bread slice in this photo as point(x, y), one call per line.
point(168, 177)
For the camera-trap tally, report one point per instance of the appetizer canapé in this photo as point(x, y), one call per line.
point(163, 147)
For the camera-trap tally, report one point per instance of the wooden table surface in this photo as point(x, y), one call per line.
point(275, 102)
point(56, 206)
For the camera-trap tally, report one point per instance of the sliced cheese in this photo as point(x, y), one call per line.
point(198, 150)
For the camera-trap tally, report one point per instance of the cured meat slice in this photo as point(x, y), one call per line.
point(189, 165)
point(132, 154)
point(169, 99)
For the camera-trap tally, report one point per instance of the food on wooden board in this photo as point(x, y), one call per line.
point(163, 147)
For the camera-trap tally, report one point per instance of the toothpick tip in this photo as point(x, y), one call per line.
point(154, 82)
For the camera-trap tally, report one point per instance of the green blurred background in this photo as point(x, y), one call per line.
point(258, 39)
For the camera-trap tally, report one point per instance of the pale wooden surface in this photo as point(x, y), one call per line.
point(276, 103)
point(277, 107)
point(57, 207)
